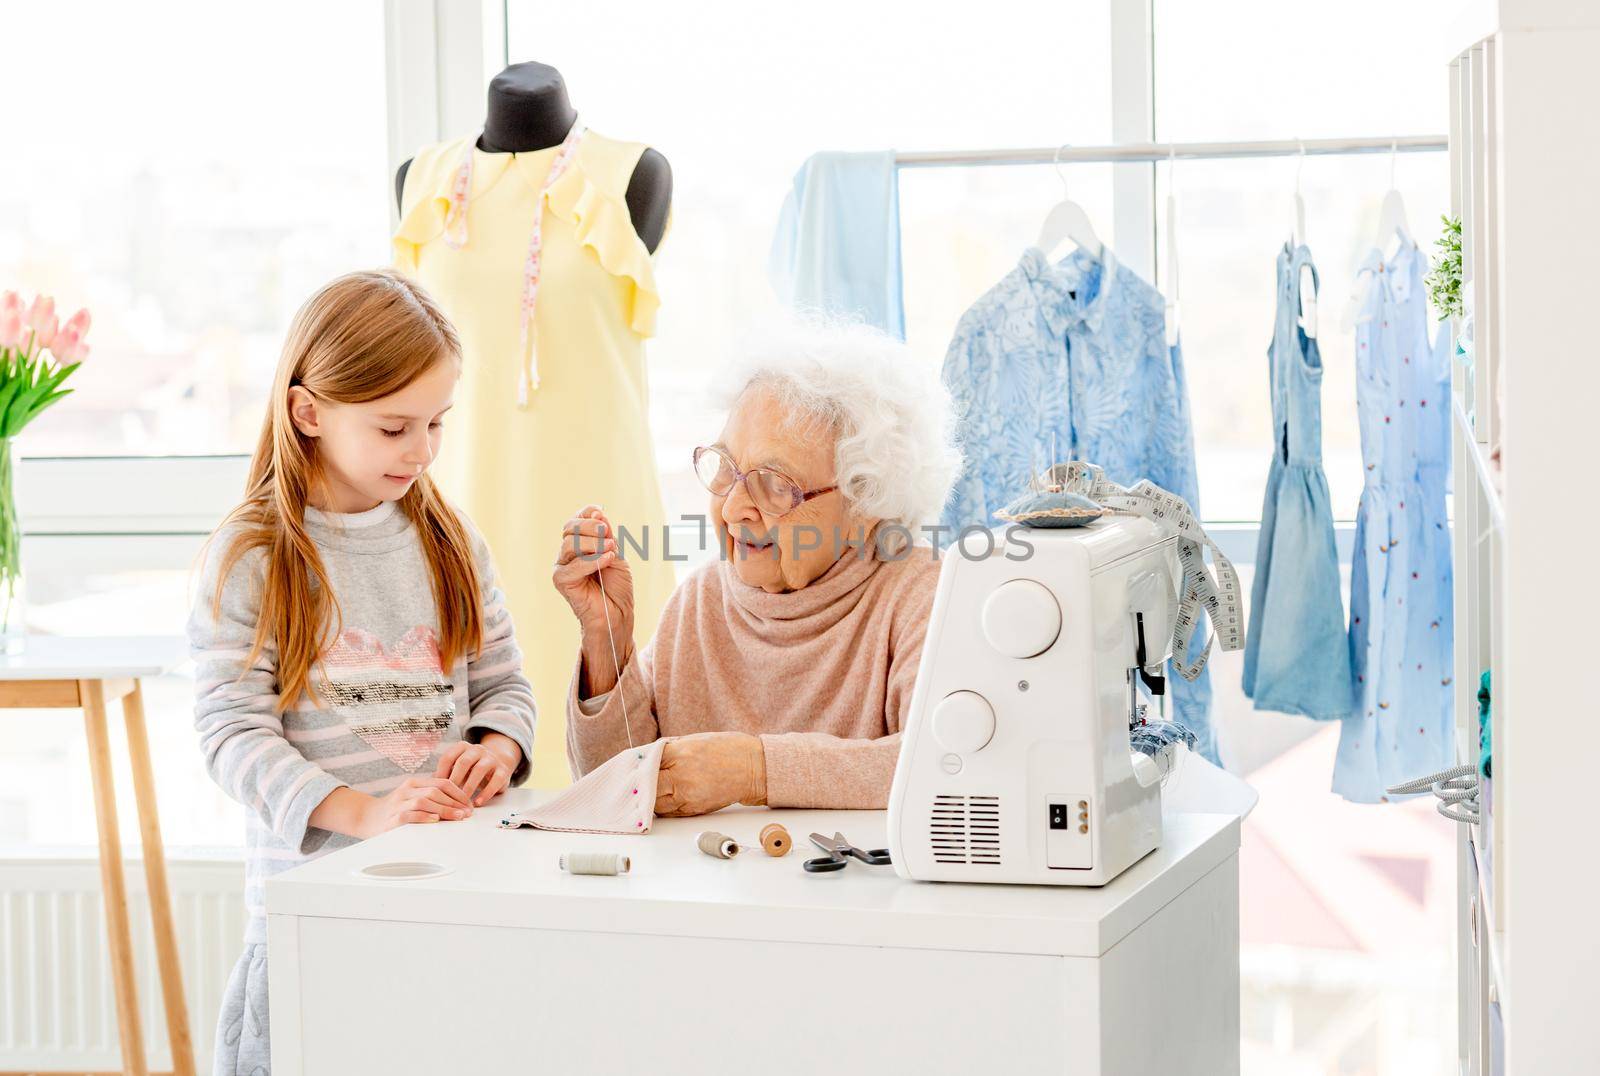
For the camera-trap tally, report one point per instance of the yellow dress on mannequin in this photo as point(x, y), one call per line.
point(584, 436)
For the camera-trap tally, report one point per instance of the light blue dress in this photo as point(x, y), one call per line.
point(1296, 657)
point(1400, 602)
point(1077, 350)
point(837, 246)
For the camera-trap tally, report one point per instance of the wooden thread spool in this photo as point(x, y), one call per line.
point(717, 845)
point(775, 840)
point(595, 863)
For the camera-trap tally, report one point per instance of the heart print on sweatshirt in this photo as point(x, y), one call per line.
point(395, 699)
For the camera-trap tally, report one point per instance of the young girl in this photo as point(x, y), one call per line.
point(356, 667)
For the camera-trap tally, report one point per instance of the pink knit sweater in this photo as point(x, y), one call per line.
point(822, 674)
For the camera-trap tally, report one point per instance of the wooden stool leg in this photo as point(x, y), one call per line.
point(113, 892)
point(155, 873)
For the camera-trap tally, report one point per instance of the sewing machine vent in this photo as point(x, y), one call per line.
point(966, 829)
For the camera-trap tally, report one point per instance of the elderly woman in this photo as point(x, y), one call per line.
point(781, 671)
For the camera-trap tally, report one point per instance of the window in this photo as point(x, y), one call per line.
point(737, 103)
point(223, 184)
point(222, 162)
point(1233, 218)
point(1262, 69)
point(1346, 910)
point(191, 194)
point(1255, 69)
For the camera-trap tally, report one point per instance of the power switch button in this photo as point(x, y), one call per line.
point(1069, 842)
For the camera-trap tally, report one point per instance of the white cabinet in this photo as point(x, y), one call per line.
point(1525, 155)
point(689, 964)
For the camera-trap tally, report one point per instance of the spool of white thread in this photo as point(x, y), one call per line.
point(717, 845)
point(595, 863)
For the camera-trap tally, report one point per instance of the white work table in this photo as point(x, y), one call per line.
point(694, 964)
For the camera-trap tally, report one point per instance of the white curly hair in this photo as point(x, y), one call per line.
point(895, 455)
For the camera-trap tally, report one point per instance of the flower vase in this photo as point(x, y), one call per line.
point(12, 603)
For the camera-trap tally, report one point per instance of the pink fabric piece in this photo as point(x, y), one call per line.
point(617, 797)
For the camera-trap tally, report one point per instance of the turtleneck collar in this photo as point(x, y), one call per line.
point(822, 602)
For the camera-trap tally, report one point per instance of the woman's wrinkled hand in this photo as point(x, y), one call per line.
point(605, 617)
point(708, 771)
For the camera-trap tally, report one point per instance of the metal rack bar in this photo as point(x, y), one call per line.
point(1160, 151)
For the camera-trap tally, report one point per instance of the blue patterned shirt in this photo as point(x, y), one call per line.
point(1077, 350)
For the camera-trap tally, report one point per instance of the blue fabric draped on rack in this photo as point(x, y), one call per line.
point(837, 247)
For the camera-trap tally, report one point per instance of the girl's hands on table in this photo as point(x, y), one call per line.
point(417, 799)
point(480, 770)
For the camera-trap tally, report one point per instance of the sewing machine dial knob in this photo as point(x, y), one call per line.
point(1021, 618)
point(963, 722)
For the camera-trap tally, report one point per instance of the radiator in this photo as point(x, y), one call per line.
point(56, 1006)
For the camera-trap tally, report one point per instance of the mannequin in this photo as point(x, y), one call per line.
point(525, 400)
point(529, 110)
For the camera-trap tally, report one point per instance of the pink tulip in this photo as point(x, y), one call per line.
point(11, 327)
point(41, 312)
point(70, 337)
point(78, 323)
point(42, 337)
point(65, 342)
point(69, 346)
point(69, 343)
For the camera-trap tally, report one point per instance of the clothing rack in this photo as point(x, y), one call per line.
point(1161, 151)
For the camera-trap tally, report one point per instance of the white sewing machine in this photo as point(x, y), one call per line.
point(1015, 764)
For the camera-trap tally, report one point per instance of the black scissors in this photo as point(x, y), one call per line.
point(839, 850)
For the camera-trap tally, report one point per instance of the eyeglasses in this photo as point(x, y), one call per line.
point(772, 492)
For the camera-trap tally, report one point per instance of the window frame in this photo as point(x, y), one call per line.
point(439, 58)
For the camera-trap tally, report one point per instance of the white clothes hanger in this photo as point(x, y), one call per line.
point(1297, 239)
point(1172, 248)
point(1298, 236)
point(1392, 217)
point(1393, 233)
point(1067, 220)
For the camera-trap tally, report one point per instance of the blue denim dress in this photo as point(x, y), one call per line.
point(1400, 593)
point(1296, 657)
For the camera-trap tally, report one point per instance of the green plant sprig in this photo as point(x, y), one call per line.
point(1444, 282)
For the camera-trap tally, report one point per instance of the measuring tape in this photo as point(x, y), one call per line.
point(1218, 596)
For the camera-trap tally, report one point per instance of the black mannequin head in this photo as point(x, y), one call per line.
point(528, 110)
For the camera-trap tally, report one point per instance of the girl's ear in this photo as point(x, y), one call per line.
point(303, 411)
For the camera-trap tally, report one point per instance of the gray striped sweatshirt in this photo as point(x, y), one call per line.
point(389, 708)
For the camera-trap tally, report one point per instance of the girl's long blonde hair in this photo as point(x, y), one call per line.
point(362, 337)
